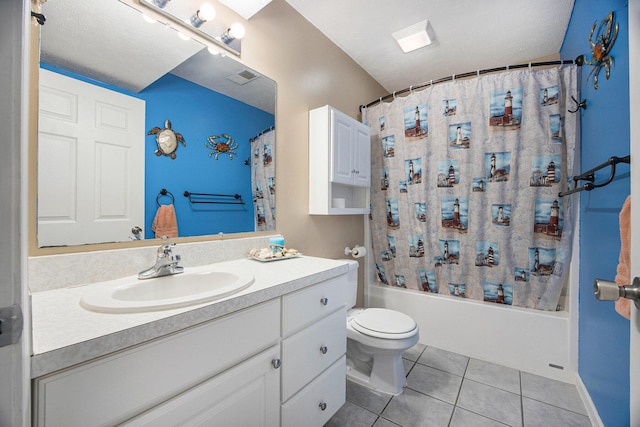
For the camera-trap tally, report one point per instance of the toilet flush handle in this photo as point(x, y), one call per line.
point(323, 349)
point(324, 301)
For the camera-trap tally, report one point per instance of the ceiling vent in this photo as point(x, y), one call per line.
point(243, 77)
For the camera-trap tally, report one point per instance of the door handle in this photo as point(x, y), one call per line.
point(606, 290)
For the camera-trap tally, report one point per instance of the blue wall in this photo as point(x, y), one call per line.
point(196, 113)
point(603, 350)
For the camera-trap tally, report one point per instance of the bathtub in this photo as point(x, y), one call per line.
point(539, 342)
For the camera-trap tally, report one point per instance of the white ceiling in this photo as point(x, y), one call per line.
point(470, 34)
point(108, 41)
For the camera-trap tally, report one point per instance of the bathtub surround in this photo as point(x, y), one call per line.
point(466, 197)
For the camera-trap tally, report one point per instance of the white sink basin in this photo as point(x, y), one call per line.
point(195, 286)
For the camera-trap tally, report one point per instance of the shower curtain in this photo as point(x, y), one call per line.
point(263, 179)
point(466, 197)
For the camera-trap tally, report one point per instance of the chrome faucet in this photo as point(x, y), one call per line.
point(166, 263)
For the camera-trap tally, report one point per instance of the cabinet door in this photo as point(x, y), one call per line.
point(246, 395)
point(341, 148)
point(362, 156)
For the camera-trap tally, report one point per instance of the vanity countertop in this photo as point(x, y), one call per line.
point(65, 334)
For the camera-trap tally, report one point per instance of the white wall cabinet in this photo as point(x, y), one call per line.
point(263, 365)
point(339, 163)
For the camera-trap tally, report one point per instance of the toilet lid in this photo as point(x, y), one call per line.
point(384, 323)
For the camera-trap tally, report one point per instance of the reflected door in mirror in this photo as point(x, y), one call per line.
point(90, 163)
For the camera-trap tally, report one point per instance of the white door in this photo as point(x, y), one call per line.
point(90, 162)
point(634, 110)
point(14, 358)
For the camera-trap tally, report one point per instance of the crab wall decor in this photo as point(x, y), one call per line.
point(601, 46)
point(167, 140)
point(221, 144)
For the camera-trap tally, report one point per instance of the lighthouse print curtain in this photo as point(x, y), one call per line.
point(464, 195)
point(263, 180)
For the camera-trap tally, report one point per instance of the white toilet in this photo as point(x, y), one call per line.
point(376, 338)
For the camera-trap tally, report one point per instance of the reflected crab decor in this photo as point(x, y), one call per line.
point(221, 144)
point(601, 46)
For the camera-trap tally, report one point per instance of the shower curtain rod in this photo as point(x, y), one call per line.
point(578, 61)
point(270, 128)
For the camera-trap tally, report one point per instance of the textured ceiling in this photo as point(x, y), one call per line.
point(470, 34)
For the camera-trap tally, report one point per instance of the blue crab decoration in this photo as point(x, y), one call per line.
point(221, 144)
point(600, 48)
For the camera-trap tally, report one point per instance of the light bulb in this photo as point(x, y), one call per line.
point(202, 15)
point(207, 12)
point(237, 30)
point(148, 19)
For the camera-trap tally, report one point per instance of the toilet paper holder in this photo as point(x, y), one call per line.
point(357, 251)
point(606, 290)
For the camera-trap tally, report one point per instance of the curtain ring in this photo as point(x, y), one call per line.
point(411, 90)
point(529, 66)
point(453, 78)
point(478, 73)
point(394, 94)
point(431, 83)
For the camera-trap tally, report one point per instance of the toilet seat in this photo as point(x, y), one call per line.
point(384, 323)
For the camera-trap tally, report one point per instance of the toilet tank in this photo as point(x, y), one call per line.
point(352, 284)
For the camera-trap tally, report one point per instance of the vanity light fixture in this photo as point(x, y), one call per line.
point(160, 3)
point(413, 37)
point(236, 31)
point(179, 16)
point(206, 13)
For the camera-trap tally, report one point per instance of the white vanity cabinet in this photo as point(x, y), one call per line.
point(278, 363)
point(339, 163)
point(116, 388)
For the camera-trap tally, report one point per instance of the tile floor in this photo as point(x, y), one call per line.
point(448, 389)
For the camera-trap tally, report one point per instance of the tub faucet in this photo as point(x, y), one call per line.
point(166, 263)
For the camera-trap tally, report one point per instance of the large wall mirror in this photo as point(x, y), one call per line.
point(142, 132)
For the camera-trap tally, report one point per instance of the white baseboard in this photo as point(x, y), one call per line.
point(588, 403)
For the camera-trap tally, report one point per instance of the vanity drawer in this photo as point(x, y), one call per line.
point(309, 352)
point(306, 306)
point(114, 388)
point(328, 391)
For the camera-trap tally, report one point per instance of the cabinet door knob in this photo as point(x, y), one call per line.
point(322, 406)
point(324, 301)
point(323, 349)
point(276, 363)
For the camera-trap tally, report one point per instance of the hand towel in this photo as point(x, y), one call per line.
point(623, 276)
point(165, 223)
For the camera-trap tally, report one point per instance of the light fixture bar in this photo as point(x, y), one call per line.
point(184, 22)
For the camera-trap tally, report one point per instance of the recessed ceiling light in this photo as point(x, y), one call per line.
point(245, 8)
point(413, 37)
